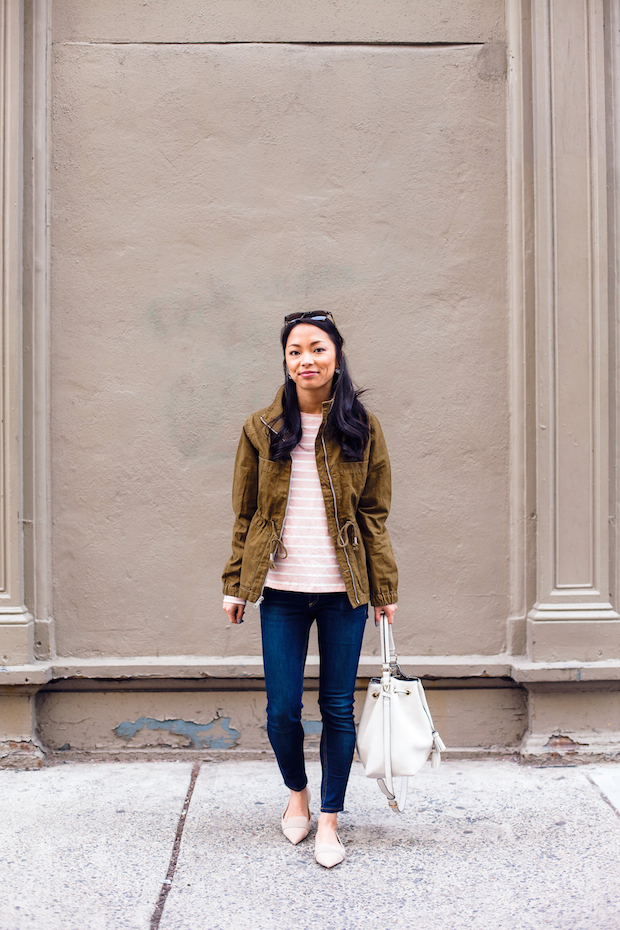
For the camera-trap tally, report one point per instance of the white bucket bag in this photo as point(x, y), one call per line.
point(396, 734)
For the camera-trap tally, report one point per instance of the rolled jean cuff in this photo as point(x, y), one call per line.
point(290, 788)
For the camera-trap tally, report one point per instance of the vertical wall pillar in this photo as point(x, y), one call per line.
point(573, 617)
point(16, 623)
point(36, 520)
point(521, 346)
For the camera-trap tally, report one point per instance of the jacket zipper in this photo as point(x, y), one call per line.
point(268, 427)
point(331, 484)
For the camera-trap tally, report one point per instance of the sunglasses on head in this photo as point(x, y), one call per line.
point(319, 315)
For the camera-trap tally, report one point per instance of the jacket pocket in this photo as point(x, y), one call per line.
point(349, 480)
point(272, 486)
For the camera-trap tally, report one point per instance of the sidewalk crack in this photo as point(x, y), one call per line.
point(167, 882)
point(602, 794)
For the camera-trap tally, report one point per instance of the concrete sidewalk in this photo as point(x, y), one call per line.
point(481, 845)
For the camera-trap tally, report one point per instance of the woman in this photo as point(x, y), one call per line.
point(311, 494)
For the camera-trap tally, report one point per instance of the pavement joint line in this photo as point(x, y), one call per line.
point(176, 847)
point(603, 795)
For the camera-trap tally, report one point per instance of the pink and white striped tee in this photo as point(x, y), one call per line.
point(311, 564)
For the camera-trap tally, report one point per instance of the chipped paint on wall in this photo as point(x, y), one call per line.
point(312, 727)
point(218, 734)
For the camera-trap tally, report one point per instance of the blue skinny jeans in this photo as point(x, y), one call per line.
point(286, 618)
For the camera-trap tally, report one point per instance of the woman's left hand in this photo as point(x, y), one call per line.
point(389, 610)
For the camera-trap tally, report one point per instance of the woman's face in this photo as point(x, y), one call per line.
point(310, 357)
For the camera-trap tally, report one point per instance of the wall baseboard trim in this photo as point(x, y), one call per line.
point(518, 668)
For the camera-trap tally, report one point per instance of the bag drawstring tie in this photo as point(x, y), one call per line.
point(438, 747)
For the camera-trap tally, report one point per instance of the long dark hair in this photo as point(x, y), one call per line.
point(347, 420)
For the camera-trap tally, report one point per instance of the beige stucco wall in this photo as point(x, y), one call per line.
point(201, 191)
point(190, 21)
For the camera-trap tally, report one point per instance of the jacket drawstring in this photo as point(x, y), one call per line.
point(342, 538)
point(279, 549)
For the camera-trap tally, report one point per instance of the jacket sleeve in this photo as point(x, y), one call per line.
point(244, 501)
point(372, 512)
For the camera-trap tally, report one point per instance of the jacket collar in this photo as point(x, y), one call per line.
point(275, 410)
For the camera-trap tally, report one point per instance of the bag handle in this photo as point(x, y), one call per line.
point(388, 648)
point(389, 660)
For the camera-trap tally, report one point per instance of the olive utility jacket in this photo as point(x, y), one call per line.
point(357, 501)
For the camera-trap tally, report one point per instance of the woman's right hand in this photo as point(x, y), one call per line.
point(235, 612)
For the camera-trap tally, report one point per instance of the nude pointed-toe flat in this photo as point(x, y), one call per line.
point(328, 855)
point(296, 829)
